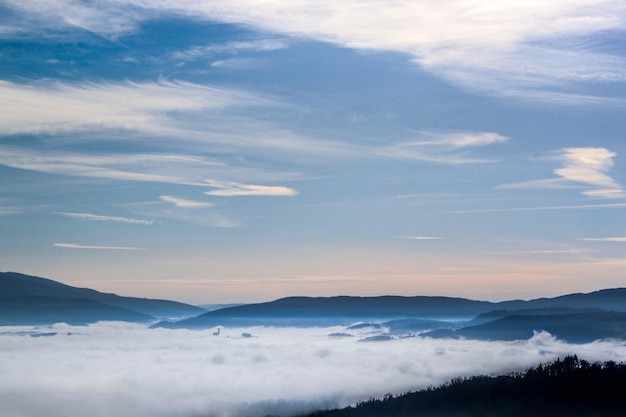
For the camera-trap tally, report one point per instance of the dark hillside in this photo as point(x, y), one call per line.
point(574, 327)
point(565, 388)
point(21, 293)
point(316, 311)
point(34, 309)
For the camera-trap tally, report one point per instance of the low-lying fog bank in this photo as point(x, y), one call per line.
point(122, 370)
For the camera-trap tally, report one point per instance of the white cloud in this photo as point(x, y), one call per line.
point(144, 167)
point(76, 246)
point(532, 49)
point(420, 237)
point(554, 251)
point(182, 203)
point(190, 214)
point(456, 140)
point(95, 217)
point(5, 211)
point(124, 370)
point(541, 208)
point(581, 167)
point(232, 48)
point(604, 239)
point(589, 166)
point(190, 114)
point(235, 189)
point(441, 148)
point(550, 183)
point(57, 107)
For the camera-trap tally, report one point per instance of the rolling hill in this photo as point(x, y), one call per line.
point(28, 300)
point(575, 317)
point(32, 300)
point(580, 327)
point(342, 310)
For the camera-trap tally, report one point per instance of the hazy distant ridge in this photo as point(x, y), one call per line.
point(319, 311)
point(573, 317)
point(27, 299)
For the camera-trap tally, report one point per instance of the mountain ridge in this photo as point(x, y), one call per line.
point(14, 286)
point(576, 317)
point(346, 308)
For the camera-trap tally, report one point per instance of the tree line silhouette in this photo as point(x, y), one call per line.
point(566, 387)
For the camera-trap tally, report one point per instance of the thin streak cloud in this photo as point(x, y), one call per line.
point(92, 109)
point(420, 237)
point(577, 207)
point(162, 168)
point(457, 140)
point(182, 203)
point(61, 107)
point(235, 189)
point(442, 148)
point(603, 239)
point(231, 48)
point(95, 217)
point(76, 246)
point(552, 252)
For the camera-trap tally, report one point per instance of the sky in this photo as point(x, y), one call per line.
point(242, 151)
point(127, 370)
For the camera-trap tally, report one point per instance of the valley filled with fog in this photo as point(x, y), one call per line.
point(121, 369)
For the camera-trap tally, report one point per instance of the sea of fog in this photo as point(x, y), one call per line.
point(124, 370)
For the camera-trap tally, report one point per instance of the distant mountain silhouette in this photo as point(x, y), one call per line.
point(575, 317)
point(34, 309)
point(606, 299)
point(573, 327)
point(27, 299)
point(318, 311)
point(499, 314)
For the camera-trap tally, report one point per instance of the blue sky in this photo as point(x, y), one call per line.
point(206, 151)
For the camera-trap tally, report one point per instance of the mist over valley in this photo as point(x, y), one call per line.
point(286, 357)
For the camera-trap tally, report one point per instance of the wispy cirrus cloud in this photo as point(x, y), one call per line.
point(230, 48)
point(553, 252)
point(143, 167)
point(542, 208)
point(580, 168)
point(532, 50)
point(604, 239)
point(456, 140)
point(190, 114)
point(182, 203)
point(169, 209)
point(96, 217)
point(419, 237)
point(442, 148)
point(235, 189)
point(47, 107)
point(77, 246)
point(161, 168)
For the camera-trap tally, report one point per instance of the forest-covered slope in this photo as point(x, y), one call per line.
point(565, 388)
